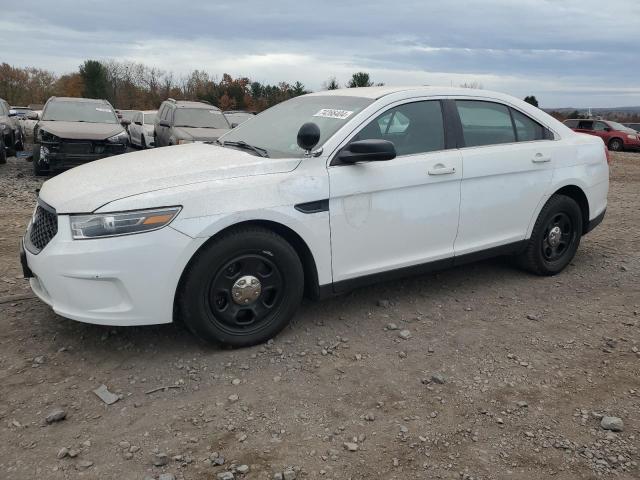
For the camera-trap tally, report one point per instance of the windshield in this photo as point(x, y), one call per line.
point(619, 126)
point(90, 112)
point(200, 118)
point(149, 118)
point(128, 114)
point(276, 129)
point(239, 117)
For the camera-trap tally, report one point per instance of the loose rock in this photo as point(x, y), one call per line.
point(56, 415)
point(614, 424)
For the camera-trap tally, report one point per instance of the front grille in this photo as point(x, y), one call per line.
point(43, 227)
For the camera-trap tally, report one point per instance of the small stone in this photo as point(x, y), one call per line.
point(277, 476)
point(352, 447)
point(522, 404)
point(369, 417)
point(233, 398)
point(404, 334)
point(73, 453)
point(56, 415)
point(63, 452)
point(614, 424)
point(392, 326)
point(124, 445)
point(235, 381)
point(167, 476)
point(499, 421)
point(218, 460)
point(533, 317)
point(289, 475)
point(242, 437)
point(105, 395)
point(438, 378)
point(84, 464)
point(225, 476)
point(134, 448)
point(160, 459)
point(242, 469)
point(39, 360)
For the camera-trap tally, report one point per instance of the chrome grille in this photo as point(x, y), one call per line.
point(43, 227)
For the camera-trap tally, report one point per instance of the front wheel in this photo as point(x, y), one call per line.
point(555, 237)
point(3, 153)
point(616, 145)
point(242, 288)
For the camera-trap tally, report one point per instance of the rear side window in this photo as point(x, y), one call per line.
point(166, 115)
point(485, 123)
point(413, 128)
point(585, 125)
point(571, 123)
point(527, 129)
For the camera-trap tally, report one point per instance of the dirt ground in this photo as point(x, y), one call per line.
point(504, 375)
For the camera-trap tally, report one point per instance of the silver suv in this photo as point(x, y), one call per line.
point(181, 122)
point(10, 129)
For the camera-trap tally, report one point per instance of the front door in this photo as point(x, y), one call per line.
point(398, 213)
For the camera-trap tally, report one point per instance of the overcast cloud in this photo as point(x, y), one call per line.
point(566, 52)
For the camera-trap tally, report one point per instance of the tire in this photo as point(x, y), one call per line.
point(20, 143)
point(550, 250)
point(616, 145)
point(3, 153)
point(11, 147)
point(38, 169)
point(143, 142)
point(215, 277)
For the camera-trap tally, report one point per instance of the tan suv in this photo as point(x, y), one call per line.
point(181, 122)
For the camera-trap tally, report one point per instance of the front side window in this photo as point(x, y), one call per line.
point(527, 129)
point(149, 118)
point(571, 123)
point(485, 123)
point(600, 126)
point(413, 128)
point(88, 112)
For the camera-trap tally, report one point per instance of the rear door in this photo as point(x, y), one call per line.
point(507, 165)
point(603, 131)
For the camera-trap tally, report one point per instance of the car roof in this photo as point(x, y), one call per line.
point(80, 100)
point(190, 104)
point(379, 92)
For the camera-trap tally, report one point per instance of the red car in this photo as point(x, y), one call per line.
point(615, 135)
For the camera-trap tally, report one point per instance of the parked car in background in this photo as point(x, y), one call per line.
point(13, 136)
point(141, 129)
point(3, 148)
point(73, 131)
point(126, 117)
point(616, 136)
point(20, 112)
point(179, 122)
point(236, 117)
point(318, 194)
point(28, 124)
point(633, 126)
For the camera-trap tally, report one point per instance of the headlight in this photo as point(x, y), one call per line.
point(121, 137)
point(181, 141)
point(2, 127)
point(632, 137)
point(44, 136)
point(125, 223)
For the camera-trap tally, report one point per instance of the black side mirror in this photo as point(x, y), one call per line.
point(125, 123)
point(372, 150)
point(607, 129)
point(234, 125)
point(164, 123)
point(138, 123)
point(308, 136)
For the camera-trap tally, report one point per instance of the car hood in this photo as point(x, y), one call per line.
point(81, 130)
point(199, 134)
point(88, 187)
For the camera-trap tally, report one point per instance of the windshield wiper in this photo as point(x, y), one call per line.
point(261, 152)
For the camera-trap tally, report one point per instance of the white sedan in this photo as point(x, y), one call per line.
point(141, 128)
point(317, 195)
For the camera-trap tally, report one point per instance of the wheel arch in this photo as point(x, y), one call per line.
point(615, 138)
point(578, 195)
point(311, 281)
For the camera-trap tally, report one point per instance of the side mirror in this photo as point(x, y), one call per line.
point(32, 116)
point(607, 129)
point(164, 123)
point(234, 125)
point(372, 150)
point(125, 123)
point(138, 123)
point(308, 136)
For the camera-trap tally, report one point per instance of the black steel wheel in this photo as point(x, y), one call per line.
point(616, 145)
point(242, 288)
point(555, 237)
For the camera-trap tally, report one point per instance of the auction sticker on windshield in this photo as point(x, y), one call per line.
point(333, 113)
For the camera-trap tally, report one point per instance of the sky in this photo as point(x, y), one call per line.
point(580, 53)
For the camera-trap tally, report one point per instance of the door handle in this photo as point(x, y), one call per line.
point(539, 158)
point(442, 170)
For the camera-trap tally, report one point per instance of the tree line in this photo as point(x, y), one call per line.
point(131, 85)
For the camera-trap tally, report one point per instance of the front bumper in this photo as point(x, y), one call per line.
point(124, 281)
point(63, 155)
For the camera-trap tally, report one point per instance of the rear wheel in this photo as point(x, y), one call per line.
point(616, 145)
point(38, 169)
point(555, 237)
point(243, 288)
point(11, 147)
point(143, 142)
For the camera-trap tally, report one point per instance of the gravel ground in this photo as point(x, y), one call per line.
point(479, 372)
